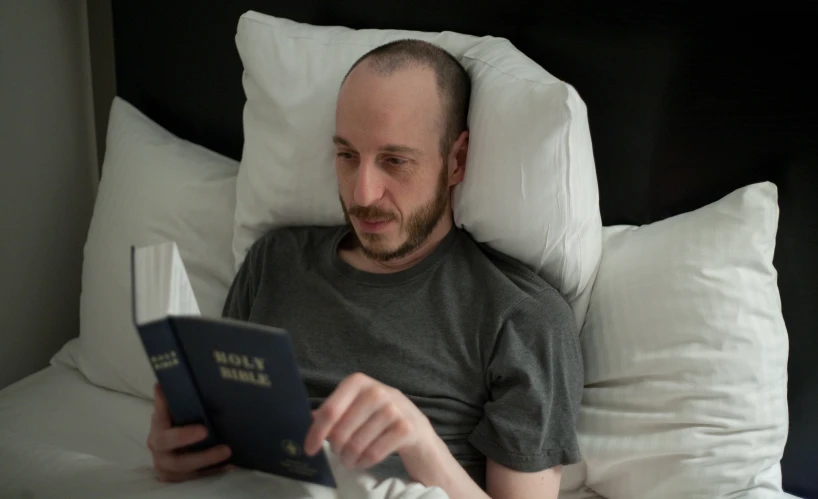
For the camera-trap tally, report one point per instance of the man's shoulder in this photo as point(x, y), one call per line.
point(512, 291)
point(512, 287)
point(501, 269)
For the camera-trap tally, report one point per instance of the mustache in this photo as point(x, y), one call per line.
point(369, 213)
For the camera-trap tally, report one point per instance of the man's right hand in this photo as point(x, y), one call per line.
point(165, 442)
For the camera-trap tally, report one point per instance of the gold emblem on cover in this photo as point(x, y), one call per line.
point(291, 448)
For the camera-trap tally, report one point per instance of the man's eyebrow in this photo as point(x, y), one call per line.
point(340, 141)
point(399, 149)
point(391, 148)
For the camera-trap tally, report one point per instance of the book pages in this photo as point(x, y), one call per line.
point(182, 298)
point(161, 284)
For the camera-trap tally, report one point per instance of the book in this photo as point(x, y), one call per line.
point(238, 379)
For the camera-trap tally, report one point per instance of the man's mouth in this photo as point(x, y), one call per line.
point(374, 225)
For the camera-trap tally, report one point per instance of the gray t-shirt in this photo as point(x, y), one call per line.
point(478, 342)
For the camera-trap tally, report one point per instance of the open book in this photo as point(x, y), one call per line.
point(239, 379)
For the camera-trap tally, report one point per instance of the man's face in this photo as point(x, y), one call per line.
point(392, 179)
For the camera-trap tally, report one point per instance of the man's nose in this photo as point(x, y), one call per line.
point(368, 184)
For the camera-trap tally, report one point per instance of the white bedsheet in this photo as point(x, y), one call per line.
point(61, 436)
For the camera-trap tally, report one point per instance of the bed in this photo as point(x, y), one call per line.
point(684, 109)
point(65, 437)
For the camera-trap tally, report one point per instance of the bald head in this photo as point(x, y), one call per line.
point(453, 84)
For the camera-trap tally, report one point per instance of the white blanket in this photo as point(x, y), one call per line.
point(60, 436)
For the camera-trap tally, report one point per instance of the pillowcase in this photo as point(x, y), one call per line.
point(530, 188)
point(685, 353)
point(154, 187)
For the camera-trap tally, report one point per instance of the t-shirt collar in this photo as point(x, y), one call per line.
point(393, 278)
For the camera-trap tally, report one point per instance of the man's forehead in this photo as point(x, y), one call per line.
point(392, 107)
point(366, 83)
point(386, 133)
point(394, 148)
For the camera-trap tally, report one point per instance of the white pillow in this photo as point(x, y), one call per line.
point(530, 188)
point(154, 187)
point(685, 353)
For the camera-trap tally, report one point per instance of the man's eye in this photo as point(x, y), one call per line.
point(344, 155)
point(395, 161)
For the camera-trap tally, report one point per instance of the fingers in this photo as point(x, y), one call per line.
point(365, 421)
point(188, 464)
point(172, 439)
point(165, 442)
point(386, 443)
point(368, 402)
point(353, 450)
point(331, 411)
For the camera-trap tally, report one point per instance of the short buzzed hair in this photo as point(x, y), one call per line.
point(453, 83)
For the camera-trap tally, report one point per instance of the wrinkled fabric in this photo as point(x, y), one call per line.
point(61, 436)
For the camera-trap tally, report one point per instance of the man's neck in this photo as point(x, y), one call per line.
point(356, 257)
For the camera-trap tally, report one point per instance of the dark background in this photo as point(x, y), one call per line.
point(686, 101)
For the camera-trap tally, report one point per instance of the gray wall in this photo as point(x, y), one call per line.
point(48, 177)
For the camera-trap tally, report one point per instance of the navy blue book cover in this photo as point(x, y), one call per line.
point(241, 380)
point(251, 389)
point(173, 373)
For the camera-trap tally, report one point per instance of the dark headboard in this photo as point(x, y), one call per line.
point(685, 105)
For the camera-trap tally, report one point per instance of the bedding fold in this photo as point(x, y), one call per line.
point(61, 436)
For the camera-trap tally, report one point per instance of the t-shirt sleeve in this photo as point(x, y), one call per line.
point(242, 293)
point(535, 380)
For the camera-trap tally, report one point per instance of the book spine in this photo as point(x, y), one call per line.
point(176, 379)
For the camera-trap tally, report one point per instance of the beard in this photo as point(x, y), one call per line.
point(419, 225)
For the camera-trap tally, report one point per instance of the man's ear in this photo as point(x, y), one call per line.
point(457, 160)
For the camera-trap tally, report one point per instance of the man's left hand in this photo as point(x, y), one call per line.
point(365, 421)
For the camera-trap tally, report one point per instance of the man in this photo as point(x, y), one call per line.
point(428, 356)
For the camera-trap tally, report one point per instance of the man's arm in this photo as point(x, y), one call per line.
point(365, 420)
point(505, 483)
point(501, 483)
point(435, 466)
point(535, 381)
